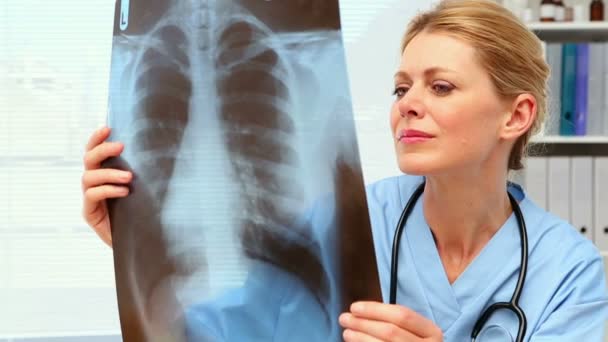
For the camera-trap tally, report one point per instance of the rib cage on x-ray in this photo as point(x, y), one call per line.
point(209, 98)
point(258, 130)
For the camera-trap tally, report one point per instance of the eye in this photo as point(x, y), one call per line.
point(442, 88)
point(400, 91)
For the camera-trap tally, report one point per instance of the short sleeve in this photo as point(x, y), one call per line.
point(579, 308)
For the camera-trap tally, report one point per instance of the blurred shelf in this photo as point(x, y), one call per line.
point(570, 31)
point(558, 139)
point(569, 146)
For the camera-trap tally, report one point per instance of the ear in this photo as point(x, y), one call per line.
point(519, 119)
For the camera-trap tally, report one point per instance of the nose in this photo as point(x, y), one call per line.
point(412, 104)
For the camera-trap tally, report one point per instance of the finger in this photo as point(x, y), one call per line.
point(97, 137)
point(103, 192)
point(91, 178)
point(398, 315)
point(384, 331)
point(101, 152)
point(357, 336)
point(94, 217)
point(105, 236)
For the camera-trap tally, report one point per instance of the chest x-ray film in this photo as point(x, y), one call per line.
point(247, 218)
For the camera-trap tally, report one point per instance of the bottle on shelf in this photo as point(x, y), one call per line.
point(560, 10)
point(596, 10)
point(528, 15)
point(569, 14)
point(519, 7)
point(547, 10)
point(579, 13)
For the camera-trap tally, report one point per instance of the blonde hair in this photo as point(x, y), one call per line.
point(511, 54)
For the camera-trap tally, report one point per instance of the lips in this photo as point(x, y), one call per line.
point(412, 133)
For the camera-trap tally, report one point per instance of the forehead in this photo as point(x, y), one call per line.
point(438, 49)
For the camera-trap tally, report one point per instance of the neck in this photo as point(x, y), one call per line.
point(464, 212)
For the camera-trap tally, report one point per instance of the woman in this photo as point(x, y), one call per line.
point(469, 93)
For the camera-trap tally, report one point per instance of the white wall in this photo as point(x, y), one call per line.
point(372, 35)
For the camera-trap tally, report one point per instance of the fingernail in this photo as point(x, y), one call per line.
point(347, 334)
point(357, 307)
point(343, 318)
point(125, 175)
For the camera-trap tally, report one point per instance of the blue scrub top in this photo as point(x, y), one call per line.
point(565, 297)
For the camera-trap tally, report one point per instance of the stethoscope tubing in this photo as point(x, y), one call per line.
point(512, 305)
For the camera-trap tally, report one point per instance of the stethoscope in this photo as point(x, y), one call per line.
point(512, 305)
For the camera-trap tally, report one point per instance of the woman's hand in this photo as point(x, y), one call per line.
point(373, 322)
point(99, 184)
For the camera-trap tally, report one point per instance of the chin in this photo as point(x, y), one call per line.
point(417, 165)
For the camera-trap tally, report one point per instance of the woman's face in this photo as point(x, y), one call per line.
point(446, 116)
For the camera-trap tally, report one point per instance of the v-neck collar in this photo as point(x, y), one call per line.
point(446, 300)
point(437, 289)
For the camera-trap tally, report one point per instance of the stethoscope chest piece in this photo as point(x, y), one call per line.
point(494, 333)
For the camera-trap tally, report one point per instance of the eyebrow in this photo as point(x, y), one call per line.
point(430, 71)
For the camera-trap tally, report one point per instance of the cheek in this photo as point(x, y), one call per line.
point(460, 129)
point(394, 117)
point(470, 131)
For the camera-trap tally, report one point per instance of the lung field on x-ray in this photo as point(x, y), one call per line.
point(254, 110)
point(162, 91)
